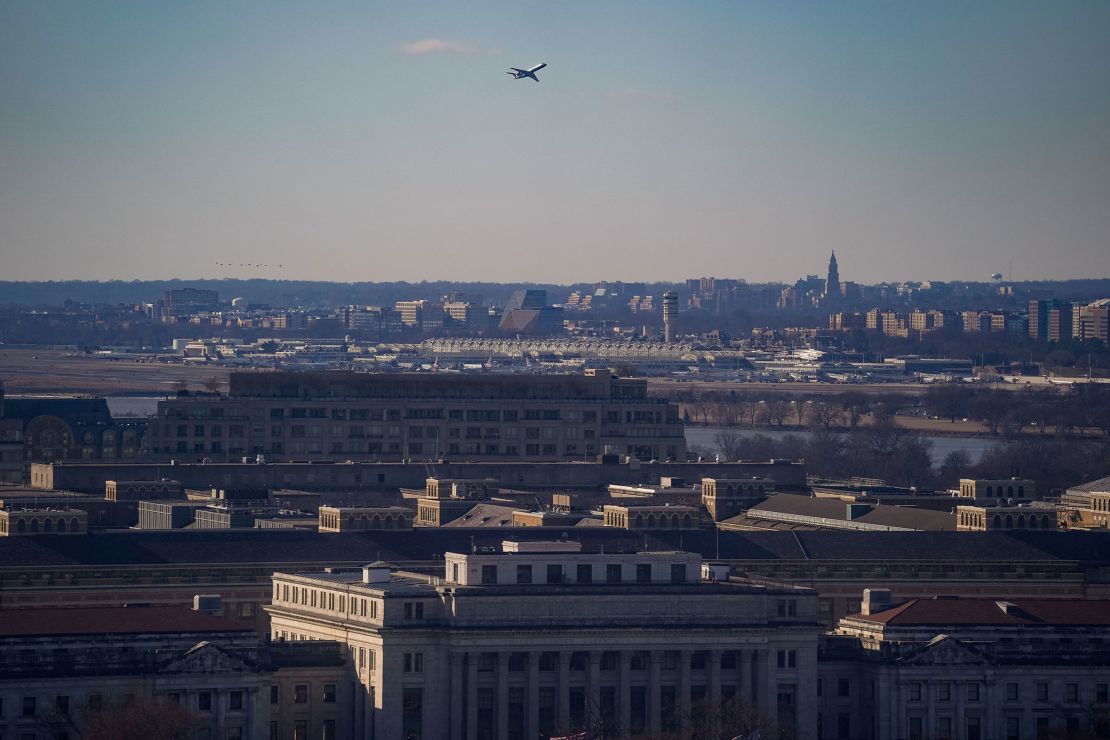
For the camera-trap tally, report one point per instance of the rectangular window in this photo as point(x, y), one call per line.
point(235, 700)
point(843, 687)
point(204, 701)
point(973, 692)
point(489, 574)
point(554, 573)
point(1071, 692)
point(1013, 728)
point(414, 663)
point(329, 693)
point(524, 574)
point(29, 706)
point(613, 573)
point(678, 573)
point(944, 691)
point(1011, 692)
point(584, 573)
point(300, 693)
point(1042, 691)
point(643, 573)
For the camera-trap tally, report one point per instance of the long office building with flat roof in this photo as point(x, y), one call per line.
point(391, 417)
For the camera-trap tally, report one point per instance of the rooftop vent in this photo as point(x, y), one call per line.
point(209, 604)
point(375, 573)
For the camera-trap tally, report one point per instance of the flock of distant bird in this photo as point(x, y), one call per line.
point(245, 264)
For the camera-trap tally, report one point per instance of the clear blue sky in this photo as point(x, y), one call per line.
point(381, 141)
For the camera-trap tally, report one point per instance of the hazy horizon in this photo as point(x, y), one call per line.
point(384, 142)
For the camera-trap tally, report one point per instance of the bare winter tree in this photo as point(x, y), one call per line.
point(729, 442)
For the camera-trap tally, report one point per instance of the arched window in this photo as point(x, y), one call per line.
point(1046, 523)
point(1009, 491)
point(1021, 521)
point(61, 525)
point(21, 526)
point(48, 525)
point(34, 525)
point(1021, 491)
point(1032, 522)
point(997, 521)
point(388, 522)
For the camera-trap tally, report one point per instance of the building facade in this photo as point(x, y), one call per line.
point(349, 416)
point(967, 669)
point(540, 638)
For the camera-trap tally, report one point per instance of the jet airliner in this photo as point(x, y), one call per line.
point(519, 73)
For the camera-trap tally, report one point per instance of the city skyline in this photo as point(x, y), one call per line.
point(384, 143)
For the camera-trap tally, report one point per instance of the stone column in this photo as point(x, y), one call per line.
point(683, 686)
point(593, 693)
point(533, 695)
point(764, 685)
point(745, 687)
point(654, 692)
point(503, 695)
point(624, 702)
point(472, 695)
point(455, 716)
point(562, 718)
point(715, 680)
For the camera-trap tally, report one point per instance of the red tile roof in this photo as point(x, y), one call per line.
point(940, 612)
point(112, 620)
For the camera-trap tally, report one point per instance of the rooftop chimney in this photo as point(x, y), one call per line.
point(875, 600)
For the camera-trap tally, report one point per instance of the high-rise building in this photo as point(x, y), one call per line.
point(1092, 321)
point(670, 314)
point(832, 284)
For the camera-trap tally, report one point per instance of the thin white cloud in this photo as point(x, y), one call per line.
point(436, 46)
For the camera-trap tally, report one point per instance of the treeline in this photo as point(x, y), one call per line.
point(1080, 407)
point(902, 457)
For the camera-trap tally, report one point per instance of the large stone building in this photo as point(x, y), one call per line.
point(66, 671)
point(43, 430)
point(967, 668)
point(539, 638)
point(358, 416)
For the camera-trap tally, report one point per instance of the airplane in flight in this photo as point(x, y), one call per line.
point(519, 73)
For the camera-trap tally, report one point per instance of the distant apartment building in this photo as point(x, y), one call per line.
point(847, 321)
point(1092, 321)
point(338, 415)
point(536, 639)
point(187, 301)
point(976, 321)
point(1047, 318)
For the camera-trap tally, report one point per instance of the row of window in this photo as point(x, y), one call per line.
point(327, 600)
point(1013, 693)
point(584, 573)
point(396, 414)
